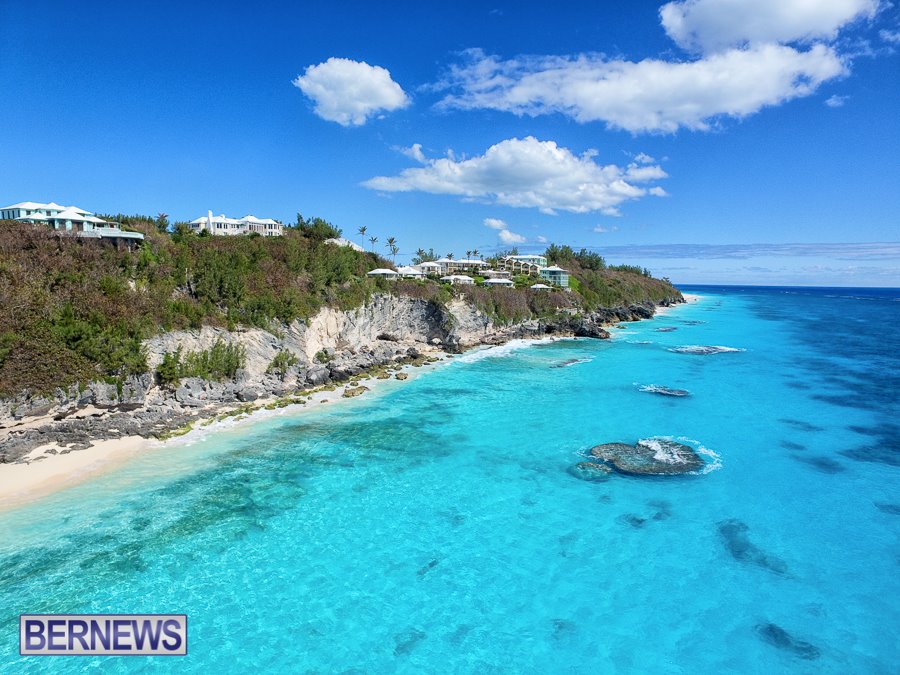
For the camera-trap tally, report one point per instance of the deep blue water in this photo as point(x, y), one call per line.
point(432, 526)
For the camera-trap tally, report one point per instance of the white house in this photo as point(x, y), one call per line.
point(383, 273)
point(429, 267)
point(459, 279)
point(345, 242)
point(411, 272)
point(507, 283)
point(68, 219)
point(224, 226)
point(556, 276)
point(450, 266)
point(540, 287)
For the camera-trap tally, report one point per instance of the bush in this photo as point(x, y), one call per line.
point(219, 362)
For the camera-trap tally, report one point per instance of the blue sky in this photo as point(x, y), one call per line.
point(690, 137)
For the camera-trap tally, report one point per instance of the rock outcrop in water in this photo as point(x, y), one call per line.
point(777, 636)
point(650, 457)
point(592, 472)
point(664, 391)
point(704, 350)
point(735, 536)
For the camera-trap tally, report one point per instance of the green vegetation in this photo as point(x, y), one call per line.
point(219, 362)
point(76, 310)
point(283, 360)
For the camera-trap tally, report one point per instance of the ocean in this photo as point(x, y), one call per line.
point(434, 526)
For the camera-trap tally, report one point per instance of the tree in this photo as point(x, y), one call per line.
point(162, 221)
point(373, 241)
point(362, 235)
point(424, 256)
point(476, 253)
point(449, 256)
point(391, 244)
point(468, 255)
point(394, 251)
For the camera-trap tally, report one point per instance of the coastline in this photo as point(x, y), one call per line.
point(52, 467)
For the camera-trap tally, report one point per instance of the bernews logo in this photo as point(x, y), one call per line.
point(109, 634)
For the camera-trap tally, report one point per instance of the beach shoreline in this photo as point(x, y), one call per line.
point(51, 468)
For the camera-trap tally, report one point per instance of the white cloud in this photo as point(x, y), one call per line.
point(528, 173)
point(657, 191)
point(643, 158)
point(644, 96)
point(350, 92)
point(414, 152)
point(890, 36)
point(541, 239)
point(836, 101)
point(495, 223)
point(600, 229)
point(507, 237)
point(712, 25)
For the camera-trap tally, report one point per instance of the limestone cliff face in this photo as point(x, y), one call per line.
point(331, 347)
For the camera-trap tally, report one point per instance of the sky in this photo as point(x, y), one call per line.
point(712, 141)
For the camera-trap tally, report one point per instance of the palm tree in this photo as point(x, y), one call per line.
point(394, 251)
point(391, 244)
point(449, 256)
point(362, 235)
point(468, 254)
point(475, 252)
point(373, 241)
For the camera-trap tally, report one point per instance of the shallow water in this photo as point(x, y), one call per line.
point(434, 527)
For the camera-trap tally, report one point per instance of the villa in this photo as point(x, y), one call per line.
point(410, 272)
point(537, 265)
point(448, 266)
point(340, 241)
point(556, 276)
point(495, 274)
point(383, 273)
point(459, 279)
point(224, 226)
point(429, 267)
point(507, 283)
point(69, 219)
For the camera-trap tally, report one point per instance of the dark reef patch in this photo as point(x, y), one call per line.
point(800, 424)
point(823, 464)
point(663, 391)
point(778, 637)
point(790, 445)
point(406, 641)
point(893, 509)
point(734, 534)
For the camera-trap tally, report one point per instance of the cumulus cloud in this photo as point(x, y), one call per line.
point(651, 95)
point(528, 173)
point(414, 152)
point(713, 25)
point(504, 234)
point(507, 237)
point(350, 92)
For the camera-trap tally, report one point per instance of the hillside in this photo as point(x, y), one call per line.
point(76, 310)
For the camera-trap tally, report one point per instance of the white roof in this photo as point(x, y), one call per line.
point(93, 219)
point(344, 242)
point(472, 262)
point(498, 282)
point(34, 216)
point(251, 219)
point(381, 271)
point(427, 264)
point(553, 268)
point(453, 277)
point(198, 221)
point(540, 286)
point(52, 206)
point(443, 260)
point(410, 270)
point(70, 213)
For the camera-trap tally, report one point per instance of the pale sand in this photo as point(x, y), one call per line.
point(45, 474)
point(689, 299)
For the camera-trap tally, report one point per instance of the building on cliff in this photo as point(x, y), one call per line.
point(537, 265)
point(69, 219)
point(450, 266)
point(223, 226)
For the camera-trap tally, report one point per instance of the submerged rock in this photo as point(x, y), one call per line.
point(666, 329)
point(590, 471)
point(735, 536)
point(350, 392)
point(401, 376)
point(778, 637)
point(650, 457)
point(664, 391)
point(704, 350)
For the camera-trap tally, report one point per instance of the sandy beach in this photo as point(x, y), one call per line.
point(42, 474)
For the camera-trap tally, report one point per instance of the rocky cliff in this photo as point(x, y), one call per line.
point(333, 346)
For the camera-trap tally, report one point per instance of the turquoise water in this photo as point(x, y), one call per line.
point(433, 526)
